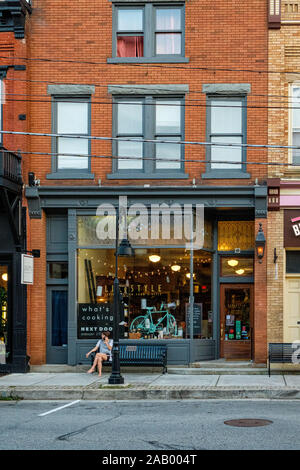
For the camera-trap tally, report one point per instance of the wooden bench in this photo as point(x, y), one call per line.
point(140, 354)
point(281, 353)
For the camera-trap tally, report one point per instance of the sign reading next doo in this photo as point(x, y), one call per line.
point(292, 228)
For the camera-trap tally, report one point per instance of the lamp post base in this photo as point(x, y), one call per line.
point(116, 379)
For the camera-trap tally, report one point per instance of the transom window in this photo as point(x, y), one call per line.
point(149, 31)
point(149, 118)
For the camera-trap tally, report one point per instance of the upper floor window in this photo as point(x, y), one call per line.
point(226, 124)
point(295, 128)
point(148, 31)
point(142, 119)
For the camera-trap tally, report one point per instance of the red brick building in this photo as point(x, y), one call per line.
point(114, 77)
point(13, 117)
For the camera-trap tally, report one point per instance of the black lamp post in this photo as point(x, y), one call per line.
point(260, 243)
point(124, 249)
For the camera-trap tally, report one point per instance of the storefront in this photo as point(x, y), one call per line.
point(157, 282)
point(292, 275)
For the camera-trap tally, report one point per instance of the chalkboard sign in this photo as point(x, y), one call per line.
point(93, 319)
point(197, 318)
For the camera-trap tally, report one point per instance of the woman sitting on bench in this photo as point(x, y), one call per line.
point(103, 349)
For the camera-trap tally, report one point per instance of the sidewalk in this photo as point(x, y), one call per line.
point(80, 385)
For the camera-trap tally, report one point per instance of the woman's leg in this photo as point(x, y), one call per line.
point(101, 357)
point(92, 369)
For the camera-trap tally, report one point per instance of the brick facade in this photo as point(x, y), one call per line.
point(76, 43)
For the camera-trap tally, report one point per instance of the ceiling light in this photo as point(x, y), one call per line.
point(240, 271)
point(176, 267)
point(233, 262)
point(154, 258)
point(4, 277)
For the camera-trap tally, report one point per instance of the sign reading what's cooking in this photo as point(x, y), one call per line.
point(93, 319)
point(292, 228)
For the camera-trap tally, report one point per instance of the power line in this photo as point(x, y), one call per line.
point(111, 157)
point(165, 66)
point(155, 141)
point(166, 98)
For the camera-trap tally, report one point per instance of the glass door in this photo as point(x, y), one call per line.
point(5, 340)
point(236, 321)
point(57, 325)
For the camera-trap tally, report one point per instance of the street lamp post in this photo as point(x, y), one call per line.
point(124, 249)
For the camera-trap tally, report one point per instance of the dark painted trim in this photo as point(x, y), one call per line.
point(225, 174)
point(129, 175)
point(149, 60)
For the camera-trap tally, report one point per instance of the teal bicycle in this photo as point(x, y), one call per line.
point(147, 325)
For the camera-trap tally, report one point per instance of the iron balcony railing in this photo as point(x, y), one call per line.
point(10, 166)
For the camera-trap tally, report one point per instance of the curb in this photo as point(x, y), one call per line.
point(15, 393)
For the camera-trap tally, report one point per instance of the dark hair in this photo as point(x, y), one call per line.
point(106, 333)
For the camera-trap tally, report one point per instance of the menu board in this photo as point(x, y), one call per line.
point(197, 318)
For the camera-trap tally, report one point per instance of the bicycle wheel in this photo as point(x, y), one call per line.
point(138, 323)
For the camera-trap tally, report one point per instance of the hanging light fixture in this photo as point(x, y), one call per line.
point(154, 258)
point(176, 267)
point(233, 262)
point(240, 271)
point(4, 277)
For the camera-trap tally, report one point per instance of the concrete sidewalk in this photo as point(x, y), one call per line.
point(80, 385)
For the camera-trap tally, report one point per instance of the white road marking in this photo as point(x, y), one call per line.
point(60, 408)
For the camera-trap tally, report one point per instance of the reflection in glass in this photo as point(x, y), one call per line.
point(72, 146)
point(167, 154)
point(130, 19)
point(168, 117)
point(168, 43)
point(168, 19)
point(130, 117)
point(227, 154)
point(130, 149)
point(147, 285)
point(226, 117)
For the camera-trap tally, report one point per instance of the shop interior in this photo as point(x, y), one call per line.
point(155, 287)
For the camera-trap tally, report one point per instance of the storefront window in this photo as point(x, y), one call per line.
point(155, 286)
point(4, 314)
point(58, 270)
point(236, 267)
point(235, 234)
point(292, 262)
point(152, 231)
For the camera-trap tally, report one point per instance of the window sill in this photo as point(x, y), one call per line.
point(148, 60)
point(226, 174)
point(130, 175)
point(68, 175)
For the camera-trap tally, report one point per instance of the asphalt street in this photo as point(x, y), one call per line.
point(148, 425)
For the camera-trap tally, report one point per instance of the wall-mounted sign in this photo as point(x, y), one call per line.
point(27, 269)
point(292, 228)
point(274, 194)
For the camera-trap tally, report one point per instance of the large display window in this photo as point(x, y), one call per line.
point(155, 287)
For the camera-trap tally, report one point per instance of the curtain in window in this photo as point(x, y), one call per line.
point(130, 46)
